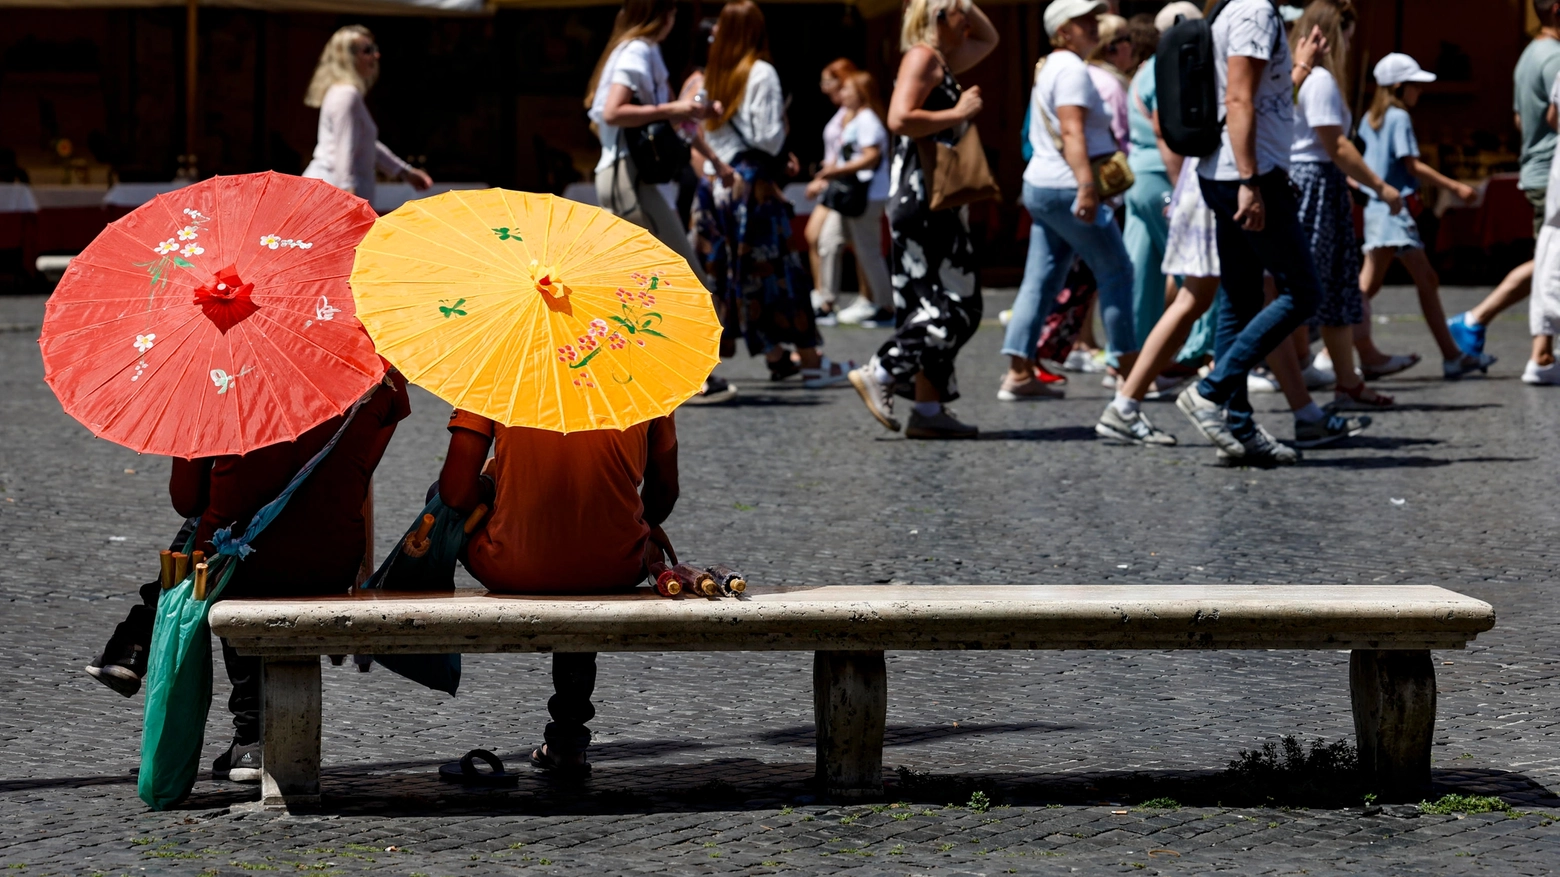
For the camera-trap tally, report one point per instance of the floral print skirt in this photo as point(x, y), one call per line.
point(761, 285)
point(1327, 215)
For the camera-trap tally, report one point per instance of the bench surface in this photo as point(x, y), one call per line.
point(866, 618)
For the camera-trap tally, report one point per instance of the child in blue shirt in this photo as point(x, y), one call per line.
point(1392, 151)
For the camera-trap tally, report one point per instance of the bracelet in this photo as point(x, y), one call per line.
point(1305, 65)
point(1087, 185)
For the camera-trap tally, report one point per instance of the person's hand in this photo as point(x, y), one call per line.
point(1463, 191)
point(1087, 205)
point(653, 554)
point(1250, 212)
point(418, 178)
point(728, 177)
point(1393, 197)
point(682, 110)
point(793, 165)
point(1311, 47)
point(970, 104)
point(816, 187)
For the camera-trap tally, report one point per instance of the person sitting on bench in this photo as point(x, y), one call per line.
point(315, 547)
point(569, 516)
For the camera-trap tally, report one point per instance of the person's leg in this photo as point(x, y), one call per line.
point(829, 253)
point(1514, 287)
point(662, 221)
point(244, 701)
point(1428, 284)
point(1144, 238)
point(1242, 300)
point(1045, 271)
point(813, 233)
point(574, 680)
point(1373, 273)
point(1101, 248)
point(866, 239)
point(1168, 335)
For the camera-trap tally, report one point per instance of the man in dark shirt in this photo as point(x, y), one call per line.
point(314, 547)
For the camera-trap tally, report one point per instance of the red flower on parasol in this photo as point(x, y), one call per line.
point(215, 319)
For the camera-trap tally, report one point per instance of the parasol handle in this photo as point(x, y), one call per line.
point(165, 569)
point(200, 581)
point(474, 520)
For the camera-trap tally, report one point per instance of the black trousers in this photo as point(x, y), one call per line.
point(574, 680)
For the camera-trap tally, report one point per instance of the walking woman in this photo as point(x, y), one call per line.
point(1064, 204)
point(744, 227)
point(862, 159)
point(937, 298)
point(347, 150)
point(829, 82)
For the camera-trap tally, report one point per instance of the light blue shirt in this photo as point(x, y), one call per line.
point(1143, 94)
point(1386, 148)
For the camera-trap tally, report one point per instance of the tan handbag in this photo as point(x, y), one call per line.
point(957, 175)
point(1112, 174)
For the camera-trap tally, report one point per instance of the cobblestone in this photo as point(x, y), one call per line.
point(703, 767)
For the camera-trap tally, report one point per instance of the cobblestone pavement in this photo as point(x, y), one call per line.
point(702, 767)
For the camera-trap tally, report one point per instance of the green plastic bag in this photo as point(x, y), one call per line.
point(178, 689)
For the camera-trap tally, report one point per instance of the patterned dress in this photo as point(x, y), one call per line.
point(761, 284)
point(937, 301)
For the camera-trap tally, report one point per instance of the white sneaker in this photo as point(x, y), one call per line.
point(1541, 374)
point(1005, 317)
point(1090, 362)
point(860, 309)
point(1320, 373)
point(819, 300)
point(1261, 381)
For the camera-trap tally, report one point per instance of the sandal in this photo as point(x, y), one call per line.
point(782, 368)
point(465, 772)
point(1394, 364)
point(542, 759)
point(1354, 399)
point(828, 374)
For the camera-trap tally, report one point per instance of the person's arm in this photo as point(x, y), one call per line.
point(866, 160)
point(190, 485)
point(762, 113)
point(1313, 46)
point(660, 489)
point(1240, 117)
point(1172, 159)
point(461, 484)
point(702, 147)
point(621, 111)
point(1075, 151)
point(394, 166)
point(919, 73)
point(1549, 117)
point(982, 40)
point(1348, 159)
point(1433, 177)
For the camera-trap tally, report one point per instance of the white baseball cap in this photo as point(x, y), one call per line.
point(1166, 17)
point(1062, 11)
point(1397, 68)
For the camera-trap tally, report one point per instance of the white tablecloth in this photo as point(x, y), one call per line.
point(59, 197)
point(389, 196)
point(136, 194)
point(17, 198)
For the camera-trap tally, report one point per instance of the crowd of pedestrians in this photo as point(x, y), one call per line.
point(1215, 273)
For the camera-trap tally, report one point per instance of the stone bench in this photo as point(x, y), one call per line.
point(1389, 631)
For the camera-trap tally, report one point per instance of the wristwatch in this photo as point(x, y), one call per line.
point(1248, 181)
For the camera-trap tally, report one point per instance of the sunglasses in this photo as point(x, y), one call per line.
point(370, 49)
point(1120, 41)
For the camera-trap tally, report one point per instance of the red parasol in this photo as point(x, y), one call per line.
point(215, 319)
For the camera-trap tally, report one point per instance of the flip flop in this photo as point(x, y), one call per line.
point(1396, 363)
point(543, 760)
point(465, 772)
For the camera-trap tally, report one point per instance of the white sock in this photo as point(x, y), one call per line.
point(1468, 319)
point(1311, 413)
point(928, 409)
point(882, 375)
point(1126, 406)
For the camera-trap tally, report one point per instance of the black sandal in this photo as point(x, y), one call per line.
point(544, 760)
point(782, 368)
point(465, 772)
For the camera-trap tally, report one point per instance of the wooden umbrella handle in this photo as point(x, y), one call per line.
point(474, 520)
point(200, 581)
point(181, 566)
point(165, 569)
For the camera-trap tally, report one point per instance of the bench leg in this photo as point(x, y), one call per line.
point(290, 734)
point(1394, 719)
point(850, 706)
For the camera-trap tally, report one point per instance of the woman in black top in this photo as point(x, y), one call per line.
point(937, 297)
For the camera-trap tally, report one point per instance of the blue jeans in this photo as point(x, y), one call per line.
point(1247, 331)
point(1054, 238)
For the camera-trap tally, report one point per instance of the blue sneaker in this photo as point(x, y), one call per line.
point(1469, 337)
point(1467, 364)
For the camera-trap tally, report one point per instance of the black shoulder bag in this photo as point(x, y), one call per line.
point(659, 153)
point(846, 195)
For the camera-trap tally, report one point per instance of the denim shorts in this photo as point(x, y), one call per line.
point(1383, 230)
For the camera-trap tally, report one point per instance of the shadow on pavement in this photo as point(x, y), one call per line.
point(1403, 462)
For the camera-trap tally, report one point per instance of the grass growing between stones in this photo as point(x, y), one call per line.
point(1471, 805)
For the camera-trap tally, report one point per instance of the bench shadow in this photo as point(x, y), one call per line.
point(904, 735)
point(1404, 462)
point(1049, 434)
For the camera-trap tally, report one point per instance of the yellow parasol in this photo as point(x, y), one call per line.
point(533, 310)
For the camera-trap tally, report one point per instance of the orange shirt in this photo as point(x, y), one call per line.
point(567, 515)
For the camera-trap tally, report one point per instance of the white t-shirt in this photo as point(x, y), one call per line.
point(1252, 29)
point(833, 136)
point(1320, 104)
point(348, 150)
point(866, 129)
point(760, 116)
point(638, 65)
point(1063, 81)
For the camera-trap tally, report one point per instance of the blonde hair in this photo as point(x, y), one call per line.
point(1111, 27)
point(1387, 96)
point(637, 20)
point(337, 66)
point(920, 21)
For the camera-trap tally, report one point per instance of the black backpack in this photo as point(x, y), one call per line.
point(1190, 116)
